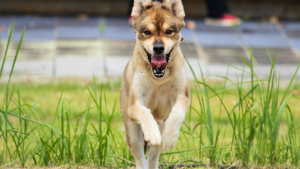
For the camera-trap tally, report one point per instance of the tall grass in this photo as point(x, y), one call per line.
point(66, 140)
point(253, 124)
point(255, 120)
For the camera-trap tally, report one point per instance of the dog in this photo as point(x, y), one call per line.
point(155, 93)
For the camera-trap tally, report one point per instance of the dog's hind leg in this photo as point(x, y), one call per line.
point(135, 140)
point(154, 151)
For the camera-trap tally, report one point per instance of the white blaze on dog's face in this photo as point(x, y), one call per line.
point(158, 27)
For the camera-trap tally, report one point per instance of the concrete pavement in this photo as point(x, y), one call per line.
point(68, 46)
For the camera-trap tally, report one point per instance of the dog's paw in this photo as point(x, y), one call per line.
point(169, 139)
point(152, 135)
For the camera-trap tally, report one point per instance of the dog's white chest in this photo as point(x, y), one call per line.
point(161, 102)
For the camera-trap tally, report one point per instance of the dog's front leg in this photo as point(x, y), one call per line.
point(142, 115)
point(172, 125)
point(154, 151)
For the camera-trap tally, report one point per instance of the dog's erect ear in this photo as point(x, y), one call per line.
point(139, 6)
point(176, 6)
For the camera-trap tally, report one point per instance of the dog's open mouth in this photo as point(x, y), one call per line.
point(158, 64)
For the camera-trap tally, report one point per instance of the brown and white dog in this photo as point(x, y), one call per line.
point(155, 92)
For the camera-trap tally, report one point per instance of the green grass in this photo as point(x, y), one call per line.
point(249, 123)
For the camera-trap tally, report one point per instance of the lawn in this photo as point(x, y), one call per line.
point(67, 106)
point(77, 122)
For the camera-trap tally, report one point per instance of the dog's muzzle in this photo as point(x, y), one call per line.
point(158, 64)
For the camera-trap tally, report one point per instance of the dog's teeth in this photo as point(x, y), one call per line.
point(154, 71)
point(163, 71)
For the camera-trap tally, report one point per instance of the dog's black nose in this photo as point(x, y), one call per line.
point(158, 49)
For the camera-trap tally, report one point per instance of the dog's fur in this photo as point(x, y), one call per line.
point(154, 108)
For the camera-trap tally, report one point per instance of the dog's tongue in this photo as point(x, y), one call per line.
point(159, 61)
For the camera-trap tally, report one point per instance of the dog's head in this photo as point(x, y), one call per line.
point(158, 28)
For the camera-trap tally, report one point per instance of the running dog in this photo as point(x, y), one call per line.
point(155, 92)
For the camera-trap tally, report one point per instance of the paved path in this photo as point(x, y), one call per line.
point(67, 46)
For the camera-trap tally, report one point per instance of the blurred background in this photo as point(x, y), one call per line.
point(82, 38)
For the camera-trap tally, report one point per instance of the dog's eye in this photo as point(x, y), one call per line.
point(169, 32)
point(147, 32)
